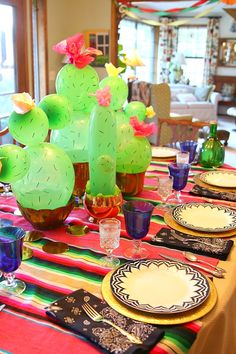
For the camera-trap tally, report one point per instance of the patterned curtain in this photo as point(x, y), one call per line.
point(168, 36)
point(211, 56)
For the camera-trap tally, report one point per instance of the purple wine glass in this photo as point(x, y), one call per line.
point(179, 172)
point(137, 215)
point(11, 244)
point(189, 146)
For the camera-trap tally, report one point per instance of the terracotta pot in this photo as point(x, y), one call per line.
point(130, 184)
point(46, 219)
point(81, 177)
point(103, 206)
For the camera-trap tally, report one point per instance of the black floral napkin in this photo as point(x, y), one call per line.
point(68, 312)
point(213, 247)
point(205, 192)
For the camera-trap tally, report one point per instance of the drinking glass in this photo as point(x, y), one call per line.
point(189, 146)
point(109, 229)
point(164, 189)
point(137, 215)
point(11, 244)
point(179, 172)
point(6, 190)
point(182, 157)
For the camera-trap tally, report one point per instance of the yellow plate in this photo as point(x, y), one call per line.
point(169, 220)
point(186, 316)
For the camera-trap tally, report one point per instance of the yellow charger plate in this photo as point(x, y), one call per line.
point(172, 319)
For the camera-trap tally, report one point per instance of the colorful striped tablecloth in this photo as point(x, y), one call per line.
point(24, 327)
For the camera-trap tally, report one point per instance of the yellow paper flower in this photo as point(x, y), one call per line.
point(22, 102)
point(150, 112)
point(112, 70)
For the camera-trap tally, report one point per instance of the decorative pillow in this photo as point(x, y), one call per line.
point(186, 97)
point(202, 93)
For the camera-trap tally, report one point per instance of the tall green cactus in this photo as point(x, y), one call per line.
point(102, 151)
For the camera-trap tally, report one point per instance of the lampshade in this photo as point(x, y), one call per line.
point(179, 59)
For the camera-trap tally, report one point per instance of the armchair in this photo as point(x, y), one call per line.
point(171, 127)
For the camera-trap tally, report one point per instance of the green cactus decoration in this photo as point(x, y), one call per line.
point(135, 157)
point(102, 151)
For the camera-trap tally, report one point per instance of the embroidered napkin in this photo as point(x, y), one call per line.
point(213, 247)
point(198, 190)
point(68, 312)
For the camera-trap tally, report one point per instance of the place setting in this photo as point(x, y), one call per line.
point(218, 184)
point(179, 294)
point(202, 219)
point(163, 153)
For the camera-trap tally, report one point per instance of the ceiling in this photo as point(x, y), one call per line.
point(217, 8)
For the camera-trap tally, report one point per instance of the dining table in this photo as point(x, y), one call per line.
point(24, 324)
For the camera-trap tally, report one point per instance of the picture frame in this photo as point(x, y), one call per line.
point(227, 52)
point(99, 39)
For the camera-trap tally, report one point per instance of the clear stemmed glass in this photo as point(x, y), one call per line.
point(6, 190)
point(137, 215)
point(189, 146)
point(179, 172)
point(182, 157)
point(109, 229)
point(11, 245)
point(164, 190)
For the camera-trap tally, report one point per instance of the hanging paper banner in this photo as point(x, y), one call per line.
point(174, 23)
point(139, 10)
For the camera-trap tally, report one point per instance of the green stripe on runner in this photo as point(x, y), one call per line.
point(71, 271)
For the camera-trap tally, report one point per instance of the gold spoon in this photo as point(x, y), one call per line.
point(193, 258)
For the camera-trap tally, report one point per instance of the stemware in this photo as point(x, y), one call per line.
point(6, 190)
point(182, 157)
point(11, 245)
point(109, 230)
point(137, 214)
point(164, 189)
point(189, 146)
point(179, 172)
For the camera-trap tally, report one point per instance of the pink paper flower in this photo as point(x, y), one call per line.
point(141, 128)
point(103, 96)
point(73, 47)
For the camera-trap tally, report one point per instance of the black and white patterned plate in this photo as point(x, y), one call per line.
point(225, 179)
point(205, 217)
point(158, 286)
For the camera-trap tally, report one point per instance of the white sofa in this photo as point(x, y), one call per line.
point(199, 102)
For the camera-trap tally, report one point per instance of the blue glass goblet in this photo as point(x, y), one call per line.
point(179, 172)
point(11, 244)
point(189, 146)
point(137, 215)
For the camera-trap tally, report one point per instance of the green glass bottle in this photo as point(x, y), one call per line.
point(212, 153)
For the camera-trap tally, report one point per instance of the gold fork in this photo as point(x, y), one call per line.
point(97, 317)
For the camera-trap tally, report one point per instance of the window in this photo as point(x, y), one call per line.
point(192, 43)
point(139, 36)
point(100, 41)
point(14, 63)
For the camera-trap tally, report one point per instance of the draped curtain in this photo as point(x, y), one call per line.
point(211, 57)
point(168, 39)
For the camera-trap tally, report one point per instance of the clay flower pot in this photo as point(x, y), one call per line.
point(101, 207)
point(130, 184)
point(46, 219)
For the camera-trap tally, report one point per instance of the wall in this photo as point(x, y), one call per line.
point(66, 18)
